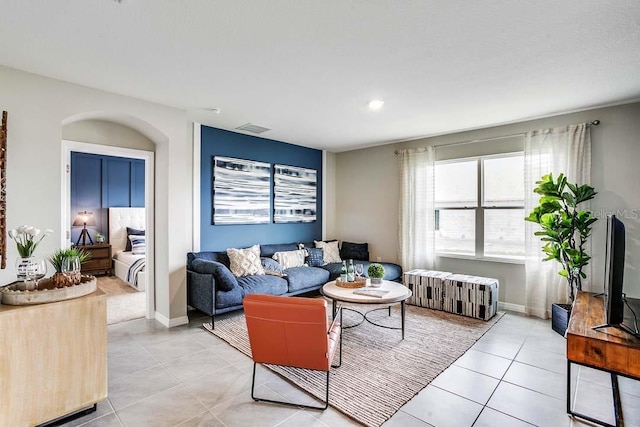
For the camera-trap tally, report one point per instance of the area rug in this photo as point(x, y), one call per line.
point(123, 307)
point(380, 372)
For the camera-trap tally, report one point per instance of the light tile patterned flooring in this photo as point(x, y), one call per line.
point(515, 375)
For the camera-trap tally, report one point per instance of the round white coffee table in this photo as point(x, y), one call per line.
point(393, 292)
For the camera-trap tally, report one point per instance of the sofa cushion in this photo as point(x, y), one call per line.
point(267, 251)
point(229, 298)
point(290, 259)
point(245, 262)
point(331, 251)
point(392, 272)
point(357, 251)
point(265, 284)
point(315, 257)
point(306, 277)
point(272, 267)
point(224, 279)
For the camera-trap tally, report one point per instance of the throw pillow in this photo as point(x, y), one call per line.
point(315, 257)
point(245, 262)
point(138, 244)
point(331, 251)
point(272, 267)
point(132, 232)
point(225, 281)
point(290, 258)
point(359, 251)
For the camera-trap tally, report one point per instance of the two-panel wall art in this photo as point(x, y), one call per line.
point(242, 192)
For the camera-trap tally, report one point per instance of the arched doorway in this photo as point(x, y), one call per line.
point(105, 134)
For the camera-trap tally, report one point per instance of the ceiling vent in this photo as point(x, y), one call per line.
point(253, 128)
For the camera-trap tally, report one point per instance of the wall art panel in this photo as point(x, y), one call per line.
point(295, 193)
point(241, 191)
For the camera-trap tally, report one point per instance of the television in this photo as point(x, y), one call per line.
point(614, 278)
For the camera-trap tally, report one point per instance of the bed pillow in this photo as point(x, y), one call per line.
point(315, 257)
point(272, 267)
point(245, 262)
point(290, 259)
point(331, 251)
point(132, 232)
point(138, 244)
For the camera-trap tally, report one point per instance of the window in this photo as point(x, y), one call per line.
point(480, 206)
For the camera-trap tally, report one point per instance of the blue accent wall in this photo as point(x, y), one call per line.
point(99, 182)
point(218, 142)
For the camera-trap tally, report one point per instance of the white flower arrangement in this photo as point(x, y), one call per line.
point(27, 239)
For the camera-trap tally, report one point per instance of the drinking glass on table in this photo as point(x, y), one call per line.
point(359, 270)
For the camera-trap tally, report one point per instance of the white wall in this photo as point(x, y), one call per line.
point(38, 107)
point(367, 194)
point(106, 133)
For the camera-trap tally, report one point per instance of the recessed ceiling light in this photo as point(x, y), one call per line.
point(213, 110)
point(376, 104)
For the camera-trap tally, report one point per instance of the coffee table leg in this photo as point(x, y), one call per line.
point(401, 315)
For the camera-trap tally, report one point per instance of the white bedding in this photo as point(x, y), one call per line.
point(127, 257)
point(119, 220)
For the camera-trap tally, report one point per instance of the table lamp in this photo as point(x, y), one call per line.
point(84, 218)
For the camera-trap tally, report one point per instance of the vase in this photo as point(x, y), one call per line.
point(560, 314)
point(376, 282)
point(30, 270)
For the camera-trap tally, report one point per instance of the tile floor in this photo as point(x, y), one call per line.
point(513, 376)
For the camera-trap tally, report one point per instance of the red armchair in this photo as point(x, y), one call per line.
point(292, 331)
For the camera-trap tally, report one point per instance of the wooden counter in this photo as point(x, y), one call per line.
point(53, 359)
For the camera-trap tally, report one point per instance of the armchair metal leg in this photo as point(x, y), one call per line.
point(340, 344)
point(297, 405)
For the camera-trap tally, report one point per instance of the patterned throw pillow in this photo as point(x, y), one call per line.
point(138, 244)
point(245, 262)
point(130, 232)
point(315, 257)
point(272, 267)
point(290, 258)
point(331, 251)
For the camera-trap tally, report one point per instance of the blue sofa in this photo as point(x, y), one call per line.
point(213, 289)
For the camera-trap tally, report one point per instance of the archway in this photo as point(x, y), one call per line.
point(100, 145)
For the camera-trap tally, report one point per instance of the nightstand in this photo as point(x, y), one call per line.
point(100, 261)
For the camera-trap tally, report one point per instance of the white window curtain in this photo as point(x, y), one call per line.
point(559, 150)
point(416, 216)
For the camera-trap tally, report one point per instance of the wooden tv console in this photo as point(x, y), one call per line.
point(53, 359)
point(609, 349)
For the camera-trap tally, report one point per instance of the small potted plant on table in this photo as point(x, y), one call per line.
point(62, 278)
point(376, 273)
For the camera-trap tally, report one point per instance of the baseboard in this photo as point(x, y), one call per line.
point(170, 323)
point(511, 307)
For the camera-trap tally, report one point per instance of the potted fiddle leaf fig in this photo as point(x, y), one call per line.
point(564, 230)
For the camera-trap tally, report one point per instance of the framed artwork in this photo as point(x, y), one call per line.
point(241, 191)
point(294, 194)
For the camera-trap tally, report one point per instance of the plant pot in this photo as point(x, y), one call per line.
point(376, 281)
point(560, 314)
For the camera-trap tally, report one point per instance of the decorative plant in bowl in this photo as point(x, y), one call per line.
point(63, 278)
point(376, 273)
point(99, 238)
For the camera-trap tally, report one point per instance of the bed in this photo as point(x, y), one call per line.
point(127, 266)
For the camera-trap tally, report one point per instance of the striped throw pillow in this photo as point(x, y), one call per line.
point(138, 244)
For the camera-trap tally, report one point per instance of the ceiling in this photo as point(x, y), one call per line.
point(306, 69)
